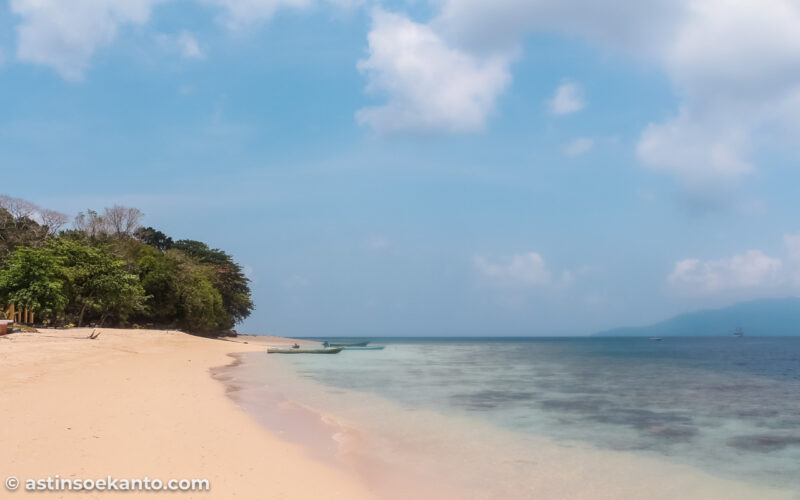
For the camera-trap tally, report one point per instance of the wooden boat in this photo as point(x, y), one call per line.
point(363, 348)
point(304, 350)
point(348, 344)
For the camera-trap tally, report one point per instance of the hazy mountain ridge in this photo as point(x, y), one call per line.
point(765, 317)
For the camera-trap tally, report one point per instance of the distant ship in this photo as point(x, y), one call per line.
point(738, 332)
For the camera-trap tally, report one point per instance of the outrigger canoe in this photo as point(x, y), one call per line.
point(303, 350)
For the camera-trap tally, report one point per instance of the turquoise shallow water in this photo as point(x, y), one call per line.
point(728, 406)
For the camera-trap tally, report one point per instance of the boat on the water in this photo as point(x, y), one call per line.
point(738, 332)
point(304, 350)
point(347, 344)
point(364, 348)
point(656, 339)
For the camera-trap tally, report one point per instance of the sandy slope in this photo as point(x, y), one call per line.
point(136, 403)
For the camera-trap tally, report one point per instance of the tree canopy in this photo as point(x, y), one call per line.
point(107, 270)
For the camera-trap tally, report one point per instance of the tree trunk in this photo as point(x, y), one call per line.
point(80, 316)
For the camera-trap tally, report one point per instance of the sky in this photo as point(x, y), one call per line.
point(427, 167)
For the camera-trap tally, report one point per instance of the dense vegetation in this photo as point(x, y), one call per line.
point(108, 270)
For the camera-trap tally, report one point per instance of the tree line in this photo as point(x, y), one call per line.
point(108, 270)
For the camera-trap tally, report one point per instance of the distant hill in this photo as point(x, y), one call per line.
point(764, 317)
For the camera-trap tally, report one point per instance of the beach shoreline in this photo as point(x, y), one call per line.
point(142, 403)
point(165, 404)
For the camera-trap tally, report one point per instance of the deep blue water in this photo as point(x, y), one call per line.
point(728, 405)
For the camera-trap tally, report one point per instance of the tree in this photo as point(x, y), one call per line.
point(154, 238)
point(201, 303)
point(91, 224)
point(96, 282)
point(25, 215)
point(18, 231)
point(159, 275)
point(122, 221)
point(227, 276)
point(34, 278)
point(108, 269)
point(52, 220)
point(18, 208)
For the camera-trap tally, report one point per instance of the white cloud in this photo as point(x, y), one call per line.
point(65, 34)
point(752, 273)
point(527, 270)
point(429, 86)
point(734, 62)
point(699, 152)
point(568, 99)
point(579, 146)
point(752, 270)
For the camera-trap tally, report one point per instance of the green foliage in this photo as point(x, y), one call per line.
point(154, 238)
point(201, 303)
point(34, 278)
point(227, 276)
point(158, 274)
point(93, 275)
point(67, 279)
point(97, 282)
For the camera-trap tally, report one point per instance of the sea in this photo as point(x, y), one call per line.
point(722, 407)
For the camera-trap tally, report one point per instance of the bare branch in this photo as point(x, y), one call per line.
point(18, 208)
point(91, 223)
point(122, 220)
point(52, 220)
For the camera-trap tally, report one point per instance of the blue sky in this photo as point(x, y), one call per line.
point(427, 168)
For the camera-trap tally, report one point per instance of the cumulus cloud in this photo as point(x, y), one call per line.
point(752, 271)
point(428, 85)
point(734, 64)
point(699, 150)
point(65, 35)
point(731, 62)
point(578, 146)
point(568, 99)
